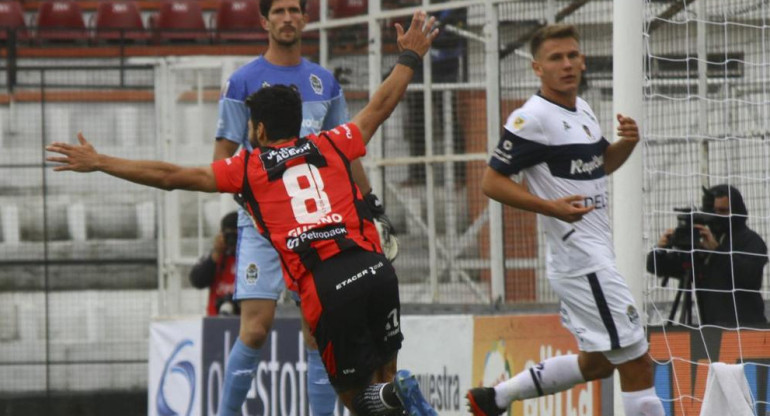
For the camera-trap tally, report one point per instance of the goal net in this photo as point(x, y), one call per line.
point(706, 101)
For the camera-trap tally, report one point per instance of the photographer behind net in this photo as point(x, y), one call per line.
point(726, 263)
point(216, 271)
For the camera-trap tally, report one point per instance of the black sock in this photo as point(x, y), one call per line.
point(377, 399)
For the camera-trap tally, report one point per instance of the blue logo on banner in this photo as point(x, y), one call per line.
point(184, 368)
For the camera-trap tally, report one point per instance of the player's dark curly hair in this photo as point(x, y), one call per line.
point(265, 5)
point(279, 109)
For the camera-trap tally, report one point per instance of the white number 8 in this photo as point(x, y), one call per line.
point(314, 190)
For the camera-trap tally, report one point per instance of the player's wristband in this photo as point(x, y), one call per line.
point(409, 58)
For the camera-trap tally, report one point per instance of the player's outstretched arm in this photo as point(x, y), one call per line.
point(617, 153)
point(502, 189)
point(84, 158)
point(416, 39)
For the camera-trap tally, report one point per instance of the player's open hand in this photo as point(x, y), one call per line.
point(77, 158)
point(570, 208)
point(420, 35)
point(627, 128)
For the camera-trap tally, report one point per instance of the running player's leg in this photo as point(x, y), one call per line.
point(259, 283)
point(637, 380)
point(320, 393)
point(599, 311)
point(357, 327)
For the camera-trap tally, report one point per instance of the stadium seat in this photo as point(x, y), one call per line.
point(348, 8)
point(238, 20)
point(116, 20)
point(60, 21)
point(313, 10)
point(12, 17)
point(179, 20)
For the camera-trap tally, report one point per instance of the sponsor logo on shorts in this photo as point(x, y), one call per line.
point(369, 271)
point(348, 371)
point(252, 272)
point(632, 314)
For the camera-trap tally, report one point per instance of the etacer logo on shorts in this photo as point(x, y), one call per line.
point(581, 166)
point(369, 271)
point(317, 234)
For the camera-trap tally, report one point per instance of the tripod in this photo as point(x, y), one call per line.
point(685, 286)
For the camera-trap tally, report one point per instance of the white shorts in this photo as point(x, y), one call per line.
point(599, 310)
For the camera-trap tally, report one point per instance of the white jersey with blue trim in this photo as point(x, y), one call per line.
point(323, 103)
point(561, 153)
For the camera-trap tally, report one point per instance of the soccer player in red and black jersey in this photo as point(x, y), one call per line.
point(302, 197)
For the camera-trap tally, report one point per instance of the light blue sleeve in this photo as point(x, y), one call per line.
point(338, 111)
point(233, 113)
point(233, 120)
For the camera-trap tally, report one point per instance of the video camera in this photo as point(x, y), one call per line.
point(685, 235)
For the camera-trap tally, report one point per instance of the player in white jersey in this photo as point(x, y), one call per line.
point(556, 141)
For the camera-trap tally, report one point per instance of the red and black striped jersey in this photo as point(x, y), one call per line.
point(302, 197)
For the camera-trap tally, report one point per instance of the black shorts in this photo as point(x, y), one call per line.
point(358, 329)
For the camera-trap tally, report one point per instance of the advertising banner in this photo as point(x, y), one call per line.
point(436, 350)
point(505, 345)
point(174, 367)
point(280, 384)
point(683, 356)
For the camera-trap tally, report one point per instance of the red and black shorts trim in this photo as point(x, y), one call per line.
point(359, 327)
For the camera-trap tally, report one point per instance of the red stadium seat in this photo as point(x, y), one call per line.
point(12, 17)
point(180, 20)
point(348, 8)
point(313, 10)
point(60, 20)
point(238, 20)
point(116, 20)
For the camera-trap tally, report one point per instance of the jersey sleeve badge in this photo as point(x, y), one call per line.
point(518, 122)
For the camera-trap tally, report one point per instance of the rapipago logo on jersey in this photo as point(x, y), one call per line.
point(252, 273)
point(496, 366)
point(316, 84)
point(173, 370)
point(580, 166)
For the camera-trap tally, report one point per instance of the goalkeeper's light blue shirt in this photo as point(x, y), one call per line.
point(323, 103)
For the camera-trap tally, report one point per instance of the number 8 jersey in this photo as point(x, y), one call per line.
point(302, 197)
